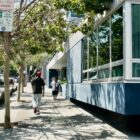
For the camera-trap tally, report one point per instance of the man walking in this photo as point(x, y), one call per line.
point(38, 91)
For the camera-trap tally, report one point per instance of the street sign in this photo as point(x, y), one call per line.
point(6, 5)
point(6, 21)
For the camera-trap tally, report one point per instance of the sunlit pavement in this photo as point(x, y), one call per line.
point(59, 120)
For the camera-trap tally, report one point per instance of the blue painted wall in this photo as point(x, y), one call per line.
point(109, 96)
point(123, 98)
point(132, 93)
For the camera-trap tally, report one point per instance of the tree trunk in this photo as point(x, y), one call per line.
point(22, 69)
point(19, 84)
point(7, 41)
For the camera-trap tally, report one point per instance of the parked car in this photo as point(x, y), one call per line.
point(1, 79)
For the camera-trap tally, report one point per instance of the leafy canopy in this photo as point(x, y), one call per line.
point(87, 7)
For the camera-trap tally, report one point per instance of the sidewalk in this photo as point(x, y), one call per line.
point(59, 120)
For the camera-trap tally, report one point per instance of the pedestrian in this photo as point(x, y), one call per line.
point(38, 91)
point(56, 87)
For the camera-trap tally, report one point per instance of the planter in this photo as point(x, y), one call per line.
point(64, 91)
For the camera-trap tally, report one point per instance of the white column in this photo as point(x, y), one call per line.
point(127, 46)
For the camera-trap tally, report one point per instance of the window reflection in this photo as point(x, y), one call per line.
point(93, 75)
point(104, 37)
point(117, 71)
point(98, 45)
point(136, 30)
point(85, 76)
point(84, 46)
point(136, 69)
point(117, 35)
point(136, 38)
point(103, 73)
point(92, 50)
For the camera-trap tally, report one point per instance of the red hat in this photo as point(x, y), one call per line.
point(38, 74)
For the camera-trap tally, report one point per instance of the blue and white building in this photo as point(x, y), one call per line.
point(103, 67)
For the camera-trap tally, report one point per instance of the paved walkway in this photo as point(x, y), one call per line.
point(59, 120)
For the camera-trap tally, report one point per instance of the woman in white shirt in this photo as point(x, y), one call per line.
point(55, 87)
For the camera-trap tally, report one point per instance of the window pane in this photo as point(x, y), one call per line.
point(117, 71)
point(103, 73)
point(73, 14)
point(117, 35)
point(92, 55)
point(92, 50)
point(104, 37)
point(136, 31)
point(85, 76)
point(84, 46)
point(136, 69)
point(93, 75)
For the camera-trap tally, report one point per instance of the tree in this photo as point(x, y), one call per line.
point(38, 27)
point(7, 53)
point(41, 30)
point(6, 37)
point(87, 7)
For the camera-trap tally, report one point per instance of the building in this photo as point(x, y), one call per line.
point(103, 67)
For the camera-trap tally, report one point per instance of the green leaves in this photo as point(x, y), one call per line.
point(82, 6)
point(89, 7)
point(42, 29)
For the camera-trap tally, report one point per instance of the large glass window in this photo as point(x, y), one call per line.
point(93, 56)
point(103, 73)
point(85, 58)
point(117, 35)
point(85, 54)
point(104, 39)
point(92, 50)
point(103, 49)
point(136, 69)
point(136, 39)
point(117, 41)
point(117, 71)
point(104, 43)
point(136, 30)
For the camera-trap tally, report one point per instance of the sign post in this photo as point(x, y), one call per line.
point(6, 21)
point(6, 15)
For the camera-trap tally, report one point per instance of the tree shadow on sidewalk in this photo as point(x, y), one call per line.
point(59, 127)
point(129, 125)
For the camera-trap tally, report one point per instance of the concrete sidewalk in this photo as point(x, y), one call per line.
point(59, 120)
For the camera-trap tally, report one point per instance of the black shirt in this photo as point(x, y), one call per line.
point(37, 84)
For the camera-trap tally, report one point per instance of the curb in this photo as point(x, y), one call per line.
point(12, 123)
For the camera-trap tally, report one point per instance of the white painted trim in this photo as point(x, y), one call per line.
point(134, 1)
point(115, 63)
point(88, 57)
point(127, 46)
point(117, 80)
point(110, 49)
point(135, 60)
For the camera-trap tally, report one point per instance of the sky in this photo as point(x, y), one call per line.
point(17, 2)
